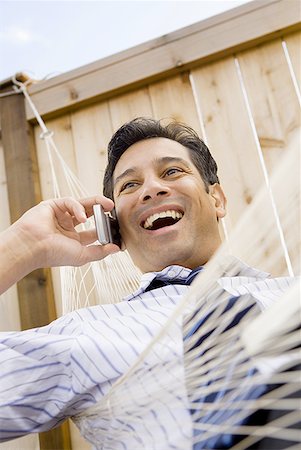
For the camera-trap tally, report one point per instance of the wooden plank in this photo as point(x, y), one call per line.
point(34, 291)
point(128, 106)
point(78, 442)
point(63, 139)
point(56, 439)
point(81, 140)
point(9, 308)
point(287, 196)
point(14, 133)
point(275, 111)
point(91, 131)
point(230, 138)
point(4, 216)
point(293, 42)
point(173, 99)
point(171, 54)
point(272, 97)
point(30, 442)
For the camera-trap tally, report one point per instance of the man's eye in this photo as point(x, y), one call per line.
point(128, 185)
point(173, 171)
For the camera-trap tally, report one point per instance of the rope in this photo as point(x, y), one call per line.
point(106, 281)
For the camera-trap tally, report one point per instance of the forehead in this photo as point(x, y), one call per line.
point(143, 154)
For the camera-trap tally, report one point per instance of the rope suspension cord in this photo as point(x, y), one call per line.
point(106, 281)
point(265, 172)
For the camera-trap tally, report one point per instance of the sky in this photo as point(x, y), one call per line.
point(47, 38)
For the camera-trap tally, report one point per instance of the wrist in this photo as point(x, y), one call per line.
point(10, 267)
point(18, 253)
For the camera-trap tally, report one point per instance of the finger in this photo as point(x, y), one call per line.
point(82, 208)
point(68, 207)
point(79, 210)
point(98, 252)
point(88, 203)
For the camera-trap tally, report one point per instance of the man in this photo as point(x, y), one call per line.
point(162, 182)
point(173, 172)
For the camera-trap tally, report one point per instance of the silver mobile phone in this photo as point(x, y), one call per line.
point(106, 226)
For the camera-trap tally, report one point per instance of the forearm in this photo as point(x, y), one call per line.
point(16, 258)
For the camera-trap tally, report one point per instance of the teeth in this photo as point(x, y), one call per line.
point(169, 213)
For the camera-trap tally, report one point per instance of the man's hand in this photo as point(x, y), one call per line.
point(46, 236)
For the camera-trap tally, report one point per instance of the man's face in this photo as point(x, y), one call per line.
point(164, 212)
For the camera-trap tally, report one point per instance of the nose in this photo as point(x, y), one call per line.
point(152, 189)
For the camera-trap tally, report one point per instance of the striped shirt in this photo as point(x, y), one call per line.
point(61, 370)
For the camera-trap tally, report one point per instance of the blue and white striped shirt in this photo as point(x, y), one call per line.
point(58, 371)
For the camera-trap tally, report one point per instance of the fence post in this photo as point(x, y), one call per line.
point(35, 291)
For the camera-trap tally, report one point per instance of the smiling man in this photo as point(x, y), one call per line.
point(162, 181)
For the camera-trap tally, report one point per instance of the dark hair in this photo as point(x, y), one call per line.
point(142, 128)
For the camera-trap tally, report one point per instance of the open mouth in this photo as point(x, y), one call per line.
point(162, 219)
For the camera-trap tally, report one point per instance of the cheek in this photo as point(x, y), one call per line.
point(119, 208)
point(125, 207)
point(122, 209)
point(204, 206)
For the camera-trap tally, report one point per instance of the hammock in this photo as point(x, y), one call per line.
point(209, 380)
point(203, 380)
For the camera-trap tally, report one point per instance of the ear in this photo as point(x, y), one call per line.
point(219, 199)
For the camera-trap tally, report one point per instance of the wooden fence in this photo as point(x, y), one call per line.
point(235, 78)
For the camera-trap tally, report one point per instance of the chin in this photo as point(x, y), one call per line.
point(162, 261)
point(158, 255)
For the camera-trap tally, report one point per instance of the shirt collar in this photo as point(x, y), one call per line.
point(244, 275)
point(168, 273)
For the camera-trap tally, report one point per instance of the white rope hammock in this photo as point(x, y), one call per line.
point(224, 373)
point(204, 381)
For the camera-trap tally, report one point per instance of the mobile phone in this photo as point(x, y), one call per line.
point(107, 227)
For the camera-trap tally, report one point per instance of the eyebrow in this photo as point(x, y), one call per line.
point(126, 173)
point(158, 162)
point(172, 159)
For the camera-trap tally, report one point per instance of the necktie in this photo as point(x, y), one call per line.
point(157, 282)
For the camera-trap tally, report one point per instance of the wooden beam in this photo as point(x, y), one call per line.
point(35, 293)
point(210, 39)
